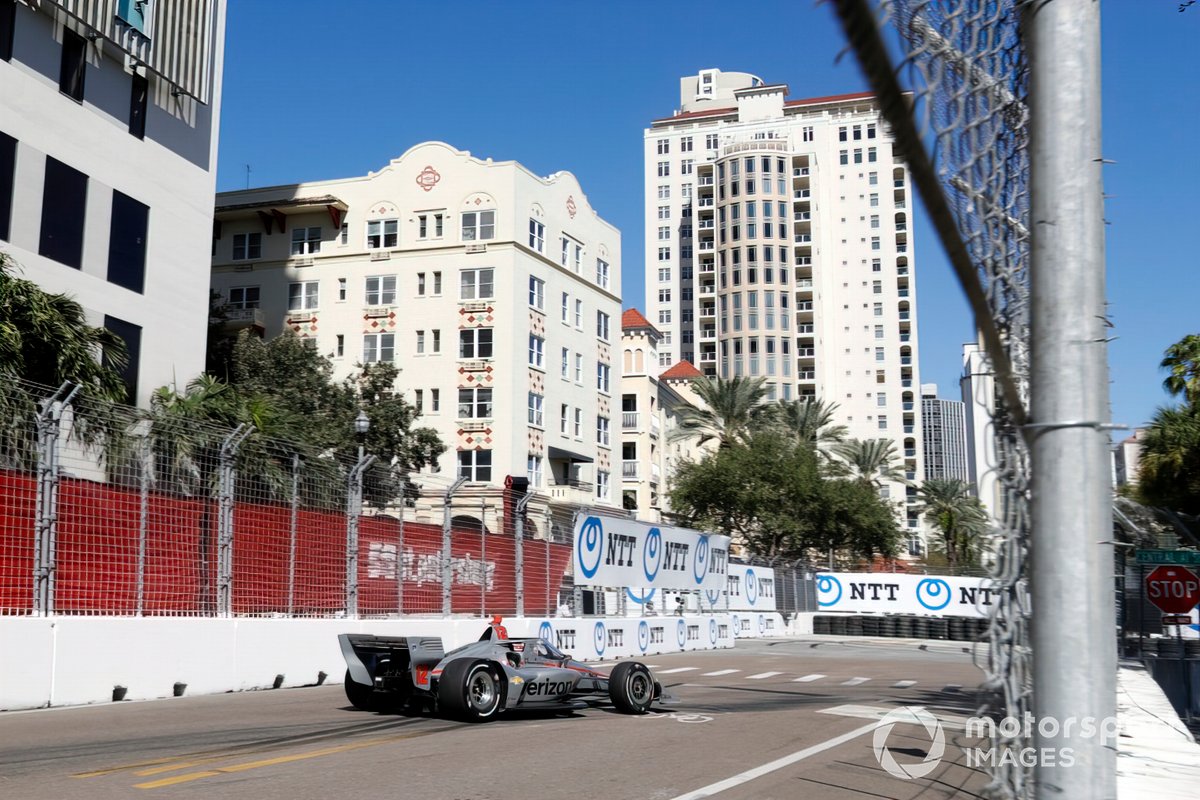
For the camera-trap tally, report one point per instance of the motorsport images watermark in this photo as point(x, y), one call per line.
point(1010, 729)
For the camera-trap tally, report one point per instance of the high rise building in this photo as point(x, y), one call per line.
point(978, 385)
point(944, 430)
point(108, 150)
point(495, 291)
point(779, 245)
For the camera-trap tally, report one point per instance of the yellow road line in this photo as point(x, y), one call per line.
point(191, 776)
point(180, 765)
point(110, 770)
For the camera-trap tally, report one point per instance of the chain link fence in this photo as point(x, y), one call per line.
point(110, 510)
point(962, 124)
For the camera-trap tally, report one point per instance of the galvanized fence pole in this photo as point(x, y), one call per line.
point(519, 551)
point(354, 502)
point(293, 529)
point(483, 557)
point(1075, 663)
point(145, 470)
point(400, 558)
point(45, 557)
point(226, 484)
point(447, 566)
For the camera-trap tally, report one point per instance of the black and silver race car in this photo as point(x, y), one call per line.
point(480, 680)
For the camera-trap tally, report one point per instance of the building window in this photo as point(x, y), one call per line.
point(127, 242)
point(664, 233)
point(664, 169)
point(686, 166)
point(601, 273)
point(8, 22)
point(423, 221)
point(132, 336)
point(475, 343)
point(873, 178)
point(871, 157)
point(477, 284)
point(475, 465)
point(247, 246)
point(537, 351)
point(379, 347)
point(341, 289)
point(843, 157)
point(306, 240)
point(435, 400)
point(242, 297)
point(710, 141)
point(879, 354)
point(579, 368)
point(420, 284)
point(437, 283)
point(664, 273)
point(578, 258)
point(664, 212)
point(536, 417)
point(578, 423)
point(564, 416)
point(565, 366)
point(537, 236)
point(882, 422)
point(474, 403)
point(878, 331)
point(381, 290)
point(478, 226)
point(602, 430)
point(436, 339)
point(344, 235)
point(566, 308)
point(579, 315)
point(806, 133)
point(601, 485)
point(877, 287)
point(879, 309)
point(8, 169)
point(537, 293)
point(664, 254)
point(876, 265)
point(663, 146)
point(603, 377)
point(383, 233)
point(664, 295)
point(420, 343)
point(73, 69)
point(534, 471)
point(874, 242)
point(664, 317)
point(602, 325)
point(64, 205)
point(139, 95)
point(340, 347)
point(881, 399)
point(664, 192)
point(874, 220)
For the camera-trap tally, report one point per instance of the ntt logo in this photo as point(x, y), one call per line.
point(910, 715)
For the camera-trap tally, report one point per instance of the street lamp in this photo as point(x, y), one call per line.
point(362, 424)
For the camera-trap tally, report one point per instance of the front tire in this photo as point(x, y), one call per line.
point(361, 696)
point(631, 687)
point(470, 690)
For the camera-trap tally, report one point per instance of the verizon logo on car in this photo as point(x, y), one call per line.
point(547, 688)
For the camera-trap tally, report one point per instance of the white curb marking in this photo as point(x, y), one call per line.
point(808, 679)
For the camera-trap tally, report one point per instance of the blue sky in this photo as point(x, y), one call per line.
point(310, 94)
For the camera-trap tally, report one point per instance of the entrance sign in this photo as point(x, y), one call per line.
point(890, 593)
point(611, 551)
point(1175, 590)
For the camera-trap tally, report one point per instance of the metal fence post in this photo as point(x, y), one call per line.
point(293, 528)
point(226, 483)
point(400, 559)
point(519, 551)
point(1075, 664)
point(483, 556)
point(447, 566)
point(145, 469)
point(49, 421)
point(353, 512)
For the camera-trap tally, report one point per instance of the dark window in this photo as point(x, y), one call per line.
point(132, 336)
point(8, 24)
point(8, 162)
point(138, 99)
point(64, 202)
point(74, 64)
point(127, 242)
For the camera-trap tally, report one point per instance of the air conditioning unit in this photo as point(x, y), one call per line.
point(378, 311)
point(381, 255)
point(473, 366)
point(477, 247)
point(475, 306)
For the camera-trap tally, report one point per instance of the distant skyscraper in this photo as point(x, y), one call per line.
point(944, 430)
point(978, 384)
point(778, 245)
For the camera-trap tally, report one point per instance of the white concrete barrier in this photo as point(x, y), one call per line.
point(78, 660)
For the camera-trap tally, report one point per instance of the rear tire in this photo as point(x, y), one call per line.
point(470, 690)
point(631, 687)
point(361, 696)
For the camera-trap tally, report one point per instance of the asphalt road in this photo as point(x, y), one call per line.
point(770, 719)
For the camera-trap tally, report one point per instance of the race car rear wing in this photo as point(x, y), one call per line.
point(371, 660)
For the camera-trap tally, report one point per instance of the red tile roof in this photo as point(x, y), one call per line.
point(706, 112)
point(633, 319)
point(684, 370)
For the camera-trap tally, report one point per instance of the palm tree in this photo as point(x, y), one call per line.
point(872, 461)
point(1169, 469)
point(1182, 359)
point(733, 409)
point(812, 423)
point(958, 515)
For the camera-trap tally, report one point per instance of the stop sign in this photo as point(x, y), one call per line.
point(1175, 590)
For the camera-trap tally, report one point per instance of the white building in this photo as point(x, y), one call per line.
point(944, 430)
point(1127, 458)
point(108, 149)
point(495, 291)
point(778, 245)
point(978, 384)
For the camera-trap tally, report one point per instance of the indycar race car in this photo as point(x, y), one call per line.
point(480, 680)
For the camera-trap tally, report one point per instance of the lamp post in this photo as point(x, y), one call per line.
point(362, 424)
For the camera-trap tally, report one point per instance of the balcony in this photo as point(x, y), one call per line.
point(804, 284)
point(905, 361)
point(800, 172)
point(802, 216)
point(629, 469)
point(706, 224)
point(802, 194)
point(706, 246)
point(910, 476)
point(804, 305)
point(706, 202)
point(706, 180)
point(655, 425)
point(904, 337)
point(803, 238)
point(708, 289)
point(708, 358)
point(902, 270)
point(906, 383)
point(709, 310)
point(908, 428)
point(630, 421)
point(806, 352)
point(655, 473)
point(901, 247)
point(803, 261)
point(708, 334)
point(707, 267)
point(805, 328)
point(806, 375)
point(574, 492)
point(901, 227)
point(910, 452)
point(904, 316)
point(238, 318)
point(900, 205)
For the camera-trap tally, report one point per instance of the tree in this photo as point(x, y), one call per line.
point(1169, 469)
point(811, 422)
point(872, 461)
point(733, 409)
point(958, 516)
point(45, 338)
point(1182, 360)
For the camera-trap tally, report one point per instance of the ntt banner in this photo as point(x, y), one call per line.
point(886, 593)
point(623, 552)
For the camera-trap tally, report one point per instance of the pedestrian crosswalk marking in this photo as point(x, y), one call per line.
point(677, 669)
point(721, 672)
point(808, 679)
point(762, 675)
point(855, 681)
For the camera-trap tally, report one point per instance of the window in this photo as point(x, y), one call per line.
point(132, 336)
point(436, 339)
point(566, 308)
point(537, 293)
point(423, 221)
point(382, 233)
point(535, 410)
point(602, 325)
point(435, 400)
point(664, 254)
point(844, 157)
point(578, 423)
point(437, 283)
point(8, 20)
point(601, 485)
point(420, 343)
point(579, 315)
point(879, 354)
point(564, 416)
point(537, 236)
point(871, 157)
point(874, 220)
point(664, 233)
point(710, 141)
point(379, 347)
point(601, 273)
point(381, 290)
point(664, 317)
point(663, 146)
point(878, 331)
point(475, 343)
point(478, 226)
point(876, 265)
point(578, 258)
point(664, 192)
point(664, 273)
point(127, 242)
point(686, 166)
point(241, 297)
point(685, 144)
point(579, 368)
point(603, 377)
point(139, 94)
point(842, 134)
point(806, 133)
point(477, 284)
point(64, 204)
point(475, 465)
point(474, 403)
point(306, 240)
point(877, 287)
point(344, 236)
point(881, 399)
point(664, 212)
point(8, 164)
point(420, 284)
point(874, 200)
point(537, 351)
point(879, 309)
point(882, 422)
point(874, 242)
point(73, 68)
point(602, 430)
point(873, 178)
point(534, 471)
point(340, 347)
point(341, 289)
point(565, 366)
point(664, 169)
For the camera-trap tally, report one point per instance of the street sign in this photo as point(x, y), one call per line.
point(1177, 619)
point(1168, 556)
point(1175, 590)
